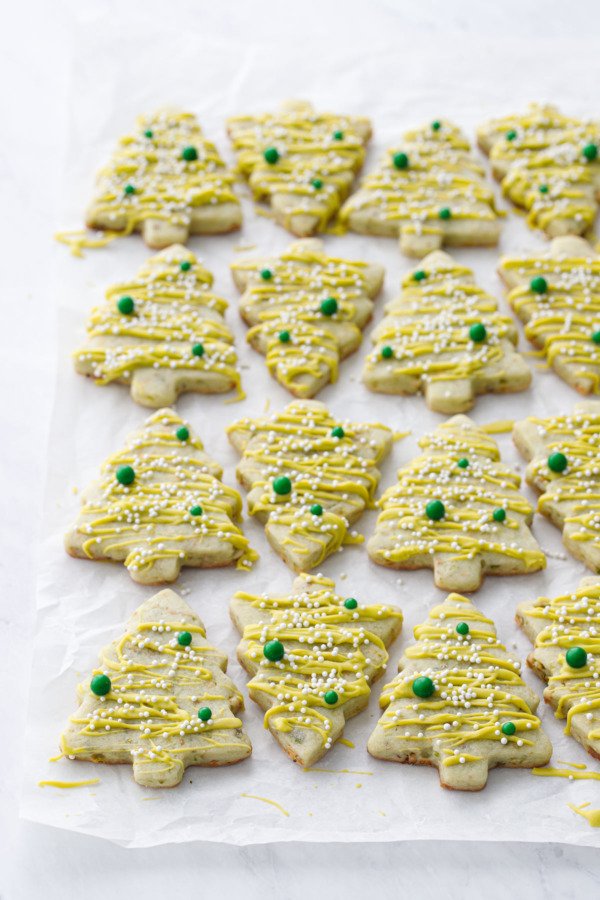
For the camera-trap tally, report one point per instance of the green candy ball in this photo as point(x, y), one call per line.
point(423, 687)
point(436, 126)
point(182, 433)
point(284, 337)
point(185, 266)
point(125, 475)
point(125, 306)
point(462, 628)
point(329, 306)
point(338, 135)
point(271, 155)
point(511, 135)
point(129, 189)
point(198, 350)
point(596, 337)
point(576, 657)
point(149, 134)
point(282, 485)
point(266, 274)
point(317, 183)
point(419, 275)
point(330, 697)
point(590, 151)
point(316, 509)
point(445, 213)
point(100, 685)
point(337, 432)
point(435, 510)
point(350, 603)
point(557, 462)
point(196, 511)
point(189, 154)
point(184, 638)
point(273, 651)
point(478, 332)
point(499, 514)
point(401, 160)
point(509, 728)
point(387, 352)
point(205, 713)
point(463, 463)
point(539, 285)
point(543, 189)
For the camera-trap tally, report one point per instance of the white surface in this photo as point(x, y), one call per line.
point(406, 90)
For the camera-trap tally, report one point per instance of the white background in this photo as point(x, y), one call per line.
point(35, 58)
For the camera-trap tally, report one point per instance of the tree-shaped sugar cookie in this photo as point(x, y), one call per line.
point(312, 656)
point(163, 333)
point(309, 477)
point(548, 165)
point(306, 310)
point(459, 702)
point(566, 634)
point(302, 162)
point(456, 509)
point(445, 337)
point(164, 180)
point(557, 295)
point(159, 505)
point(159, 699)
point(428, 191)
point(564, 455)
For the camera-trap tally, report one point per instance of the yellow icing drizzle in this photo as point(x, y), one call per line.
point(427, 328)
point(327, 648)
point(152, 705)
point(67, 784)
point(174, 311)
point(150, 520)
point(474, 688)
point(441, 174)
point(576, 490)
point(165, 186)
point(265, 800)
point(470, 496)
point(322, 468)
point(563, 319)
point(566, 773)
point(592, 815)
point(544, 150)
point(311, 147)
point(290, 301)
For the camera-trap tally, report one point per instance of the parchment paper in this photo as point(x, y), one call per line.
point(82, 605)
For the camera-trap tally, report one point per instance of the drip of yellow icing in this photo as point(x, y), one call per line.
point(567, 773)
point(271, 802)
point(345, 742)
point(338, 771)
point(592, 815)
point(67, 784)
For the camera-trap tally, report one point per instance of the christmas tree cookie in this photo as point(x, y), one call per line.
point(312, 656)
point(309, 477)
point(300, 161)
point(163, 333)
point(557, 295)
point(445, 337)
point(159, 505)
point(306, 310)
point(456, 509)
point(165, 181)
point(564, 455)
point(159, 699)
point(429, 191)
point(459, 703)
point(548, 164)
point(566, 634)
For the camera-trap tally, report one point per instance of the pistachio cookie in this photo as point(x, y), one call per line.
point(445, 337)
point(163, 333)
point(548, 165)
point(158, 505)
point(557, 294)
point(300, 161)
point(306, 310)
point(566, 634)
point(159, 699)
point(563, 454)
point(428, 191)
point(163, 180)
point(309, 478)
point(459, 702)
point(456, 509)
point(312, 656)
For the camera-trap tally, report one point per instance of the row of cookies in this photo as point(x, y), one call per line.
point(167, 181)
point(163, 332)
point(160, 698)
